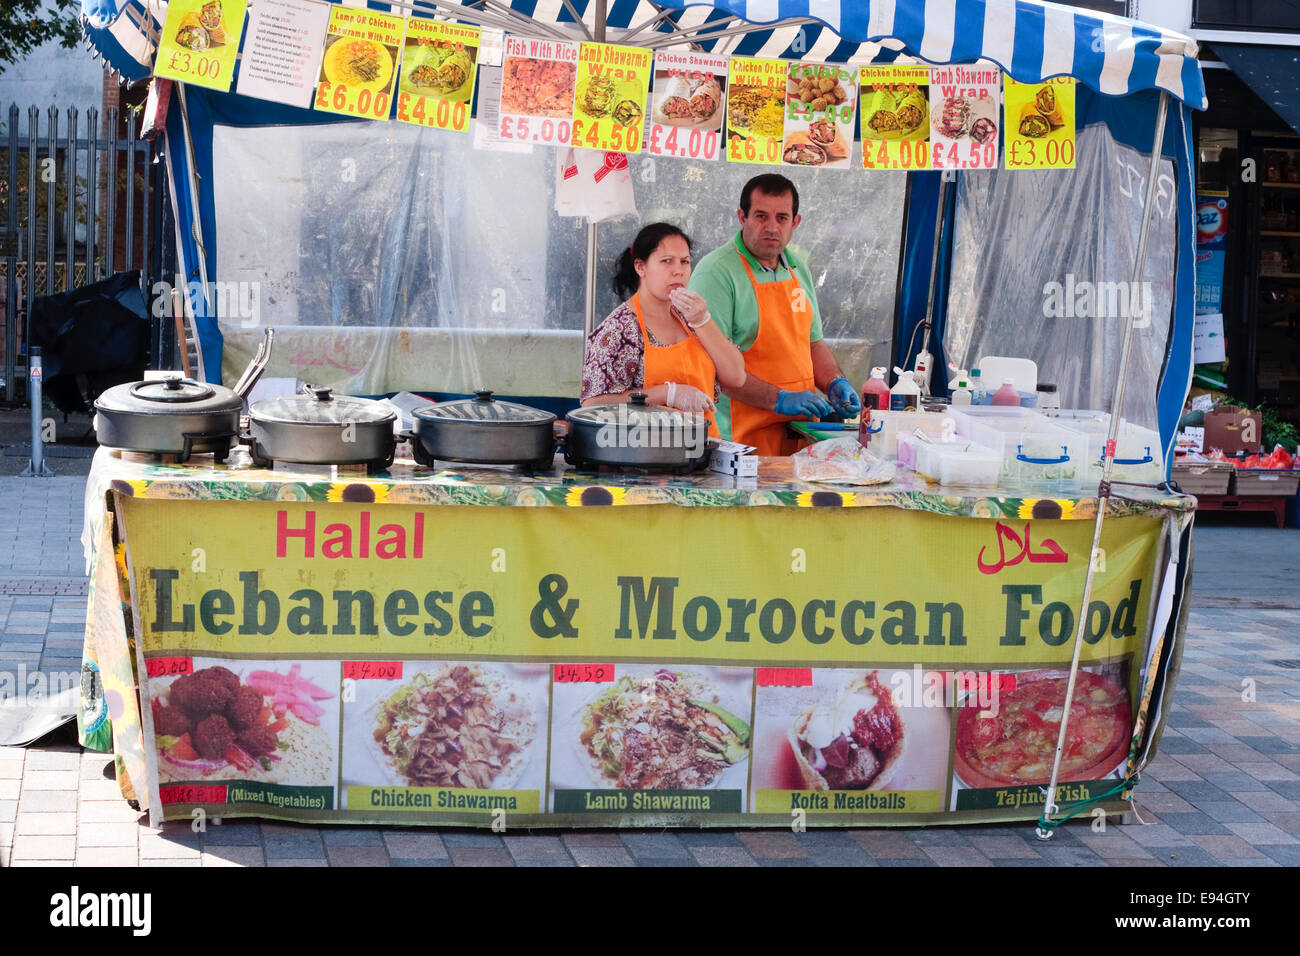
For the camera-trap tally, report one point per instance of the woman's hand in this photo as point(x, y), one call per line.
point(689, 306)
point(688, 398)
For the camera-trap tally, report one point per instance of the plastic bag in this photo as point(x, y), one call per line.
point(842, 461)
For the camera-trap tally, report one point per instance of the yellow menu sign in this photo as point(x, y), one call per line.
point(609, 108)
point(756, 93)
point(895, 117)
point(358, 71)
point(436, 81)
point(1039, 126)
point(199, 41)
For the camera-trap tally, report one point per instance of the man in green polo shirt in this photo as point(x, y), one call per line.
point(761, 295)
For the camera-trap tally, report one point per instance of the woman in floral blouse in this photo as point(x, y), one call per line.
point(662, 340)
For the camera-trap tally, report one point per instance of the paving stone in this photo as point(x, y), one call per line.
point(407, 845)
point(1288, 788)
point(1188, 856)
point(720, 838)
point(11, 769)
point(1263, 834)
point(232, 833)
point(1194, 824)
point(351, 836)
point(1168, 801)
point(105, 811)
point(945, 855)
point(1267, 770)
point(170, 844)
point(353, 855)
point(49, 801)
point(297, 863)
point(1204, 763)
point(535, 848)
point(50, 780)
point(304, 846)
point(1268, 745)
point(889, 845)
point(107, 856)
point(591, 838)
point(1069, 855)
point(107, 834)
point(471, 840)
point(1287, 855)
point(1267, 800)
point(772, 844)
point(1286, 822)
point(481, 856)
point(51, 824)
point(234, 856)
point(169, 862)
point(826, 837)
point(1228, 847)
point(660, 846)
point(715, 855)
point(44, 848)
point(97, 789)
point(536, 863)
point(422, 863)
point(1115, 844)
point(1235, 781)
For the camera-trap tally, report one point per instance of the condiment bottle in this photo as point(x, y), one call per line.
point(1007, 394)
point(1047, 397)
point(961, 394)
point(875, 398)
point(905, 395)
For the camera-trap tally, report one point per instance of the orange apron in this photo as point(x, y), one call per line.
point(780, 356)
point(685, 362)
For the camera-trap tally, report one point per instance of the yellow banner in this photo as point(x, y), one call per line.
point(1039, 125)
point(895, 117)
point(756, 98)
point(358, 71)
point(199, 41)
point(609, 107)
point(437, 75)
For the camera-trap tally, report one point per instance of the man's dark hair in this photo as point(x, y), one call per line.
point(769, 184)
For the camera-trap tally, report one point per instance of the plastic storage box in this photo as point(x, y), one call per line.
point(885, 427)
point(1037, 453)
point(1138, 453)
point(959, 462)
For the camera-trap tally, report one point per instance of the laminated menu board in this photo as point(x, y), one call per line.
point(199, 41)
point(282, 51)
point(756, 110)
point(610, 99)
point(964, 116)
point(895, 117)
point(437, 74)
point(1039, 129)
point(689, 99)
point(359, 68)
point(538, 82)
point(821, 104)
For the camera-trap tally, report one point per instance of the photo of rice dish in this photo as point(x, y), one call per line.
point(534, 87)
point(755, 111)
point(665, 729)
point(456, 725)
point(266, 724)
point(357, 64)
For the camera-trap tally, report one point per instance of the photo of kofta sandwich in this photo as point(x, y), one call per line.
point(850, 740)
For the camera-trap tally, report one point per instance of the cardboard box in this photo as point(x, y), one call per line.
point(1203, 478)
point(731, 458)
point(1284, 483)
point(1231, 430)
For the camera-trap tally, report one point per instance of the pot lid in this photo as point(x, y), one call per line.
point(483, 408)
point(172, 389)
point(320, 406)
point(171, 395)
point(637, 412)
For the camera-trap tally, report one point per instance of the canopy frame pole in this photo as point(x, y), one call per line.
point(651, 24)
point(939, 217)
point(593, 231)
point(1108, 460)
point(191, 180)
point(700, 33)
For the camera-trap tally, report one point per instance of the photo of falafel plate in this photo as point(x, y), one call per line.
point(246, 721)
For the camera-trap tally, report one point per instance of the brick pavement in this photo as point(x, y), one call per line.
point(1225, 789)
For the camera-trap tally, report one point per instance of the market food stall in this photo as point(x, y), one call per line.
point(444, 645)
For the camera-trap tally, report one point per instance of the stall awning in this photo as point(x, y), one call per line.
point(1030, 39)
point(1273, 72)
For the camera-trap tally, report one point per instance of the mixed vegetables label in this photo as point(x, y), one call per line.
point(609, 106)
point(436, 85)
point(199, 41)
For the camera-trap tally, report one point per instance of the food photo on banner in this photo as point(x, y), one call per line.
point(481, 616)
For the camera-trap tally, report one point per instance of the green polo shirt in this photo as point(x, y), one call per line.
point(721, 278)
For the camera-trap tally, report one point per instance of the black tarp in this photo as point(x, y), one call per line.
point(1273, 72)
point(91, 338)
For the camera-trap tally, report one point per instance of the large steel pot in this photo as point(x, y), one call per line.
point(636, 434)
point(177, 416)
point(484, 431)
point(321, 428)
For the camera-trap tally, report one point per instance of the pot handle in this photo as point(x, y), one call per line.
point(255, 367)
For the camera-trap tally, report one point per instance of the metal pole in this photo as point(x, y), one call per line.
point(934, 274)
point(36, 467)
point(51, 185)
point(1108, 457)
point(589, 305)
point(70, 198)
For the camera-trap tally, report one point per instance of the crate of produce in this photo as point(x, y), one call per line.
point(1265, 482)
point(1037, 453)
point(1203, 477)
point(1138, 452)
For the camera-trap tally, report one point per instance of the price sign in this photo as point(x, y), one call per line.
point(821, 103)
point(964, 116)
point(372, 670)
point(895, 117)
point(199, 41)
point(584, 673)
point(756, 110)
point(783, 677)
point(359, 69)
point(689, 105)
point(168, 666)
point(538, 81)
point(609, 103)
point(1039, 126)
point(436, 78)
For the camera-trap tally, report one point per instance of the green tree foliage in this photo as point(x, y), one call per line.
point(27, 24)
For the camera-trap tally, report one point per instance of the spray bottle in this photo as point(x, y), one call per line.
point(875, 398)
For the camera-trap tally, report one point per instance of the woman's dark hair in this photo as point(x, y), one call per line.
point(626, 281)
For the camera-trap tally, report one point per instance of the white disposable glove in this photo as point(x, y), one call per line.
point(692, 308)
point(688, 398)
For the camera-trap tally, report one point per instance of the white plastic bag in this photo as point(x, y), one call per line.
point(842, 461)
point(595, 184)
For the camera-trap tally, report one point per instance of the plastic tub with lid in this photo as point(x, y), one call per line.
point(1138, 452)
point(960, 462)
point(1037, 453)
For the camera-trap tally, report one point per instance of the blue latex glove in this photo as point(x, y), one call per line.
point(843, 397)
point(805, 404)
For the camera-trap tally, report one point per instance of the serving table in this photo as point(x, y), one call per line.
point(754, 613)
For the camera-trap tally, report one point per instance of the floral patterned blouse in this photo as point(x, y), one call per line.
point(615, 359)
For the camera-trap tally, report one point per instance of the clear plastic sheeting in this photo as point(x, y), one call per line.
point(390, 257)
point(1043, 267)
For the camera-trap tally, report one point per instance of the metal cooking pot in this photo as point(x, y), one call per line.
point(484, 431)
point(177, 416)
point(636, 435)
point(320, 428)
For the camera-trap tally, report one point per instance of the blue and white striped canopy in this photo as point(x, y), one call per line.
point(1030, 39)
